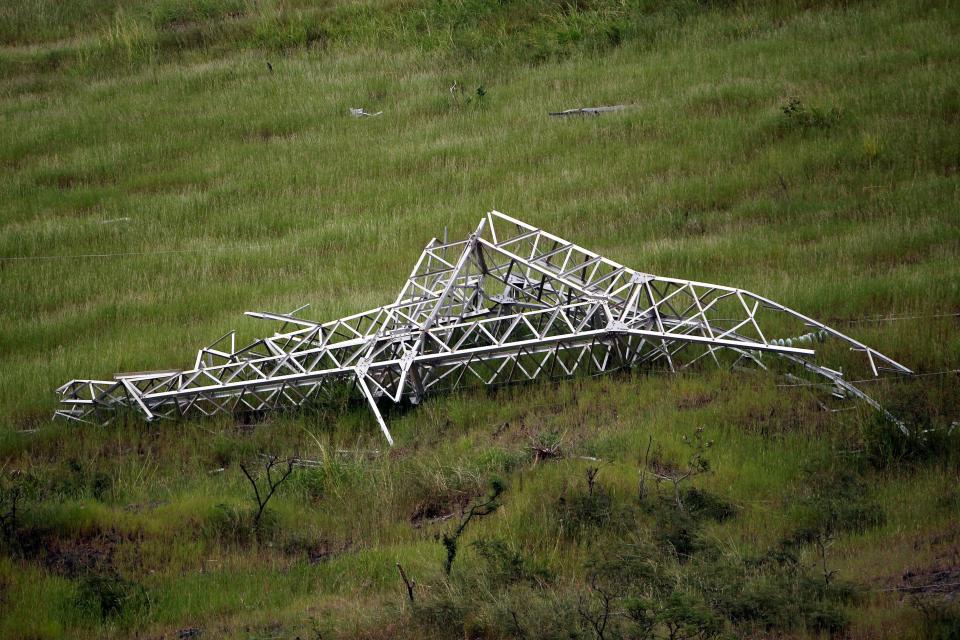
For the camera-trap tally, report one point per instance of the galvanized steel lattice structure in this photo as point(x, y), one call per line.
point(511, 303)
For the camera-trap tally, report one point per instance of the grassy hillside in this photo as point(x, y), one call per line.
point(170, 164)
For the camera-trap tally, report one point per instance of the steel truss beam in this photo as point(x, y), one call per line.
point(511, 303)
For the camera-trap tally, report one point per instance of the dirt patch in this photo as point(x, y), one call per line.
point(317, 551)
point(942, 582)
point(941, 578)
point(434, 511)
point(695, 400)
point(74, 557)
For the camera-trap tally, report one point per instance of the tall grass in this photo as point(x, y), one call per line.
point(805, 150)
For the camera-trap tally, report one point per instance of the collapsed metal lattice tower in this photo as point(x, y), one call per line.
point(511, 303)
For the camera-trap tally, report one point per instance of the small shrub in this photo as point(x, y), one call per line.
point(835, 501)
point(773, 592)
point(684, 617)
point(677, 531)
point(886, 446)
point(505, 565)
point(108, 596)
point(100, 485)
point(78, 480)
point(583, 511)
point(797, 116)
point(940, 617)
point(630, 563)
point(527, 612)
point(442, 615)
point(705, 505)
point(230, 525)
point(479, 509)
point(265, 485)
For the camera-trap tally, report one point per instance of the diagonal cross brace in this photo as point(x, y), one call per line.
point(510, 303)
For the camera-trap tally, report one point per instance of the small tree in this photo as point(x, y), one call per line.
point(598, 617)
point(592, 473)
point(477, 510)
point(696, 464)
point(273, 483)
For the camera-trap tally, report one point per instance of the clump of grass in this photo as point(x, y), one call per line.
point(796, 115)
point(177, 14)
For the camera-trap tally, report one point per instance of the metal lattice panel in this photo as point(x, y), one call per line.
point(509, 304)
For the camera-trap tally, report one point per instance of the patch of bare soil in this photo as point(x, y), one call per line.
point(940, 578)
point(317, 551)
point(74, 557)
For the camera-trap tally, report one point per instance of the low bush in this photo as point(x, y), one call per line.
point(835, 501)
point(442, 615)
point(703, 505)
point(505, 565)
point(797, 116)
point(229, 524)
point(886, 446)
point(111, 597)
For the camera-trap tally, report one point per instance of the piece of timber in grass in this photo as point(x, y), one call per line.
point(509, 304)
point(589, 111)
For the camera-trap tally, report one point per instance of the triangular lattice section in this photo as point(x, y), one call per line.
point(509, 304)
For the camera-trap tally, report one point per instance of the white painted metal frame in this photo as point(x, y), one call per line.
point(509, 304)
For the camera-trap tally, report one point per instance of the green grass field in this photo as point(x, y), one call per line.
point(156, 133)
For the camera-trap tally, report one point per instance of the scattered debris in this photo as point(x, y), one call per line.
point(942, 581)
point(542, 452)
point(589, 111)
point(140, 507)
point(417, 523)
point(360, 113)
point(114, 220)
point(297, 462)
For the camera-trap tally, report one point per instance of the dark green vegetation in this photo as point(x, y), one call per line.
point(805, 150)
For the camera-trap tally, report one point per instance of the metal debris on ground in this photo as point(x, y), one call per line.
point(361, 113)
point(509, 304)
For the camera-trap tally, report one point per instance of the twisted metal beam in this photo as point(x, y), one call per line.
point(511, 303)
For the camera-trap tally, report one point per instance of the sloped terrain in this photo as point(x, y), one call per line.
point(169, 165)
